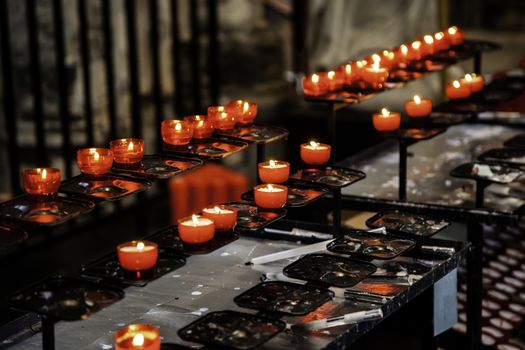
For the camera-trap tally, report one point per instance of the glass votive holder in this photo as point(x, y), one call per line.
point(176, 132)
point(127, 151)
point(244, 111)
point(138, 337)
point(94, 161)
point(221, 118)
point(202, 126)
point(41, 181)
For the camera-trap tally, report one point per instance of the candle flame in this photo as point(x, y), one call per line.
point(417, 99)
point(385, 112)
point(455, 84)
point(452, 30)
point(376, 58)
point(348, 69)
point(220, 109)
point(44, 174)
point(391, 55)
point(404, 49)
point(200, 124)
point(96, 156)
point(314, 144)
point(138, 340)
point(245, 107)
point(224, 115)
point(428, 39)
point(375, 66)
point(385, 52)
point(468, 77)
point(130, 146)
point(439, 36)
point(315, 78)
point(140, 246)
point(416, 45)
point(359, 64)
point(217, 210)
point(195, 220)
point(272, 163)
point(270, 187)
point(178, 127)
point(331, 75)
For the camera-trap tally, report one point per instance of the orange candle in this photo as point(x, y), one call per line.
point(330, 81)
point(346, 74)
point(138, 255)
point(221, 118)
point(176, 132)
point(418, 107)
point(375, 76)
point(196, 229)
point(274, 171)
point(224, 217)
point(202, 126)
point(440, 42)
point(414, 52)
point(428, 47)
point(270, 196)
point(243, 111)
point(389, 59)
point(315, 153)
point(41, 181)
point(127, 151)
point(454, 35)
point(137, 337)
point(312, 87)
point(386, 120)
point(474, 82)
point(402, 56)
point(455, 90)
point(94, 161)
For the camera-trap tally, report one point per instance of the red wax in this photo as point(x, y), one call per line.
point(414, 51)
point(94, 161)
point(315, 153)
point(428, 47)
point(417, 107)
point(176, 132)
point(476, 83)
point(137, 337)
point(127, 151)
point(312, 87)
point(358, 69)
point(441, 43)
point(386, 121)
point(402, 54)
point(202, 126)
point(456, 90)
point(330, 81)
point(454, 35)
point(224, 216)
point(389, 59)
point(270, 196)
point(221, 118)
point(196, 229)
point(374, 76)
point(274, 171)
point(41, 181)
point(345, 73)
point(243, 111)
point(137, 255)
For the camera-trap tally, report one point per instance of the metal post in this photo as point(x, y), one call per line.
point(261, 157)
point(477, 62)
point(336, 228)
point(480, 193)
point(48, 333)
point(474, 283)
point(402, 170)
point(332, 125)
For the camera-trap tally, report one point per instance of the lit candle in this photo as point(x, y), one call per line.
point(386, 120)
point(94, 161)
point(358, 69)
point(274, 171)
point(454, 35)
point(224, 217)
point(176, 132)
point(474, 82)
point(418, 107)
point(41, 181)
point(312, 87)
point(346, 74)
point(196, 229)
point(270, 196)
point(403, 54)
point(375, 76)
point(127, 151)
point(137, 337)
point(202, 126)
point(428, 48)
point(456, 90)
point(243, 111)
point(440, 42)
point(414, 53)
point(389, 59)
point(315, 153)
point(137, 255)
point(332, 80)
point(221, 118)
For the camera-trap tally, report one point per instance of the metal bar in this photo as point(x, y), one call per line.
point(86, 64)
point(133, 66)
point(477, 62)
point(48, 333)
point(109, 69)
point(261, 157)
point(300, 17)
point(403, 153)
point(177, 74)
point(155, 65)
point(336, 227)
point(474, 283)
point(332, 131)
point(480, 194)
point(195, 55)
point(213, 51)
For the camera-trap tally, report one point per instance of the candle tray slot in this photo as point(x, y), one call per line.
point(104, 187)
point(331, 270)
point(362, 244)
point(335, 97)
point(439, 120)
point(255, 133)
point(48, 212)
point(250, 217)
point(284, 297)
point(414, 134)
point(404, 223)
point(231, 330)
point(495, 173)
point(108, 268)
point(298, 195)
point(212, 148)
point(517, 141)
point(328, 176)
point(68, 299)
point(10, 236)
point(155, 166)
point(510, 156)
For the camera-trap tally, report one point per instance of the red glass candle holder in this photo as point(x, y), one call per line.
point(414, 51)
point(418, 107)
point(315, 153)
point(196, 229)
point(345, 73)
point(476, 83)
point(386, 120)
point(202, 126)
point(440, 42)
point(127, 151)
point(357, 70)
point(454, 35)
point(312, 87)
point(224, 216)
point(176, 132)
point(41, 181)
point(138, 255)
point(221, 118)
point(330, 81)
point(243, 111)
point(456, 90)
point(94, 161)
point(274, 171)
point(270, 196)
point(374, 76)
point(389, 60)
point(427, 46)
point(138, 337)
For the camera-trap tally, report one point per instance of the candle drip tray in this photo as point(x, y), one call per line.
point(517, 141)
point(284, 297)
point(468, 105)
point(108, 268)
point(509, 83)
point(255, 133)
point(441, 119)
point(415, 134)
point(407, 223)
point(487, 172)
point(328, 176)
point(44, 211)
point(10, 236)
point(510, 156)
point(106, 187)
point(370, 245)
point(232, 330)
point(68, 299)
point(331, 270)
point(298, 195)
point(470, 47)
point(403, 76)
point(159, 167)
point(250, 217)
point(213, 148)
point(425, 66)
point(346, 97)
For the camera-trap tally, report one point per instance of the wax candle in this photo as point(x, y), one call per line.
point(270, 196)
point(346, 74)
point(221, 118)
point(315, 153)
point(389, 59)
point(127, 151)
point(224, 216)
point(137, 337)
point(176, 132)
point(196, 229)
point(418, 107)
point(403, 54)
point(456, 90)
point(332, 81)
point(137, 255)
point(274, 171)
point(358, 69)
point(94, 161)
point(202, 126)
point(375, 76)
point(474, 82)
point(243, 111)
point(454, 35)
point(41, 181)
point(440, 42)
point(312, 87)
point(414, 52)
point(428, 46)
point(386, 120)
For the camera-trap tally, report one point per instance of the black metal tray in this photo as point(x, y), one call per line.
point(469, 47)
point(104, 187)
point(231, 330)
point(213, 148)
point(335, 97)
point(298, 195)
point(407, 223)
point(370, 245)
point(331, 270)
point(284, 297)
point(47, 212)
point(255, 133)
point(510, 156)
point(517, 141)
point(426, 66)
point(10, 236)
point(250, 217)
point(441, 119)
point(467, 105)
point(501, 174)
point(509, 83)
point(414, 134)
point(161, 166)
point(402, 76)
point(64, 298)
point(328, 176)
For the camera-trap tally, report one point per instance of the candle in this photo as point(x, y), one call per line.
point(176, 132)
point(221, 118)
point(127, 151)
point(440, 42)
point(414, 53)
point(386, 120)
point(41, 181)
point(403, 54)
point(312, 87)
point(270, 196)
point(454, 35)
point(474, 82)
point(389, 59)
point(274, 171)
point(346, 74)
point(137, 337)
point(224, 217)
point(315, 153)
point(418, 107)
point(196, 229)
point(243, 111)
point(375, 76)
point(358, 69)
point(428, 48)
point(137, 255)
point(202, 126)
point(330, 81)
point(455, 90)
point(94, 161)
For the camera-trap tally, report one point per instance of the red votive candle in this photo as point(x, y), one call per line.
point(137, 255)
point(137, 337)
point(358, 69)
point(454, 35)
point(312, 87)
point(389, 59)
point(221, 118)
point(41, 181)
point(315, 153)
point(428, 47)
point(127, 151)
point(374, 76)
point(386, 120)
point(270, 196)
point(176, 132)
point(330, 81)
point(414, 52)
point(224, 216)
point(94, 161)
point(196, 229)
point(456, 90)
point(418, 107)
point(345, 72)
point(202, 126)
point(440, 42)
point(274, 171)
point(476, 83)
point(243, 111)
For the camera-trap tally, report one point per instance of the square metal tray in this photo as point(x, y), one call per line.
point(108, 187)
point(256, 133)
point(298, 195)
point(327, 176)
point(10, 236)
point(405, 223)
point(252, 218)
point(213, 148)
point(501, 174)
point(159, 166)
point(510, 156)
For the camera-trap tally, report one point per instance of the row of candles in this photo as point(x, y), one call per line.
point(373, 70)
